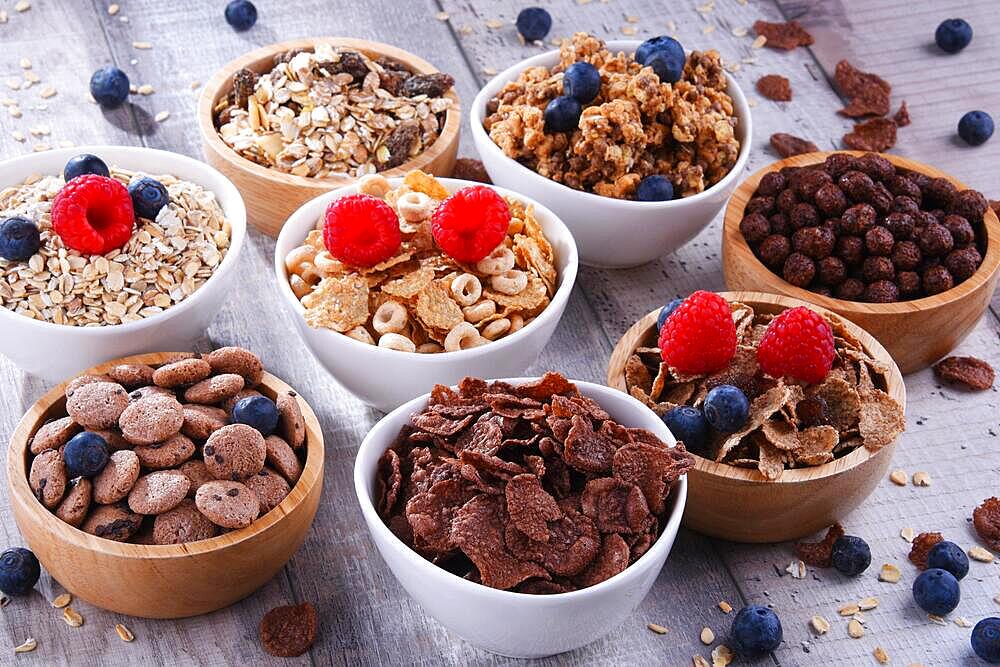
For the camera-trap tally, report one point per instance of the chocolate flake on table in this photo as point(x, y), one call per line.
point(902, 115)
point(867, 93)
point(922, 544)
point(775, 87)
point(818, 554)
point(470, 169)
point(970, 372)
point(531, 488)
point(786, 36)
point(289, 631)
point(875, 134)
point(986, 520)
point(787, 145)
point(791, 425)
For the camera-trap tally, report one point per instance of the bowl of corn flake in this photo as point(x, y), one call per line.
point(807, 453)
point(397, 284)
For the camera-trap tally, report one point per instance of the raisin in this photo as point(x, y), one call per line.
point(431, 85)
point(352, 63)
point(244, 81)
point(401, 144)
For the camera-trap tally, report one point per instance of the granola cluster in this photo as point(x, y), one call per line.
point(333, 111)
point(636, 127)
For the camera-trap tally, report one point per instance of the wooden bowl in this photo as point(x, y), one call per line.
point(162, 581)
point(738, 504)
point(917, 333)
point(270, 195)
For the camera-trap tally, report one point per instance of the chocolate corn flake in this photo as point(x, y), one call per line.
point(788, 36)
point(531, 488)
point(775, 87)
point(787, 145)
point(969, 372)
point(868, 93)
point(876, 134)
point(922, 544)
point(902, 115)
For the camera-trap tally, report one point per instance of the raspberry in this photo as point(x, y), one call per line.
point(361, 230)
point(93, 214)
point(797, 343)
point(471, 223)
point(699, 337)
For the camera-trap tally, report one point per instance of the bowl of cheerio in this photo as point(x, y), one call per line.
point(397, 284)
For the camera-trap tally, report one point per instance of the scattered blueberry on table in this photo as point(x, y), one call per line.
point(241, 15)
point(726, 408)
point(688, 425)
point(655, 188)
point(756, 630)
point(562, 114)
point(85, 163)
point(19, 571)
point(533, 23)
point(936, 591)
point(258, 412)
point(975, 127)
point(109, 86)
point(666, 312)
point(582, 82)
point(851, 555)
point(950, 557)
point(953, 35)
point(19, 239)
point(148, 197)
point(86, 454)
point(986, 639)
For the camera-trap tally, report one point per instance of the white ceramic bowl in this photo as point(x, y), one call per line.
point(517, 624)
point(56, 351)
point(611, 233)
point(386, 378)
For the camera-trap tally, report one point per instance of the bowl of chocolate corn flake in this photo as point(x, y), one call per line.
point(528, 516)
point(638, 170)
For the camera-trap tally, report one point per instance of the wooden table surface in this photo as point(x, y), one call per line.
point(366, 618)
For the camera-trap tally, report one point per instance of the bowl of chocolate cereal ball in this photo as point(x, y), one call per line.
point(901, 249)
point(529, 516)
point(635, 145)
point(290, 121)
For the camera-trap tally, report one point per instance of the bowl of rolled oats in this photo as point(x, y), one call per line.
point(135, 252)
point(640, 169)
point(293, 120)
point(397, 284)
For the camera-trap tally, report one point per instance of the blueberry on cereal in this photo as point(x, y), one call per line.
point(688, 425)
point(562, 114)
point(665, 55)
point(19, 239)
point(655, 188)
point(259, 412)
point(533, 23)
point(726, 408)
point(86, 454)
point(582, 81)
point(666, 312)
point(19, 571)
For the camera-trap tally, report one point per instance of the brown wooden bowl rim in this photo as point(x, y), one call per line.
point(731, 235)
point(894, 387)
point(17, 479)
point(221, 82)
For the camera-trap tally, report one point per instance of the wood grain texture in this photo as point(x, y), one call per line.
point(366, 618)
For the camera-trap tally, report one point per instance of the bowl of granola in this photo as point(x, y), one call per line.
point(136, 252)
point(418, 316)
point(802, 453)
point(692, 137)
point(290, 121)
point(538, 523)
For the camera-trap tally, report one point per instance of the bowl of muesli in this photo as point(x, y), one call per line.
point(290, 121)
point(810, 441)
point(641, 169)
point(397, 284)
point(136, 252)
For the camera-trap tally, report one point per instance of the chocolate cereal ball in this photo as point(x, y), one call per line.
point(822, 290)
point(876, 166)
point(831, 200)
point(882, 199)
point(779, 224)
point(755, 228)
point(879, 241)
point(840, 163)
point(935, 240)
point(851, 249)
point(962, 263)
point(900, 225)
point(857, 185)
point(961, 230)
point(786, 201)
point(858, 219)
point(774, 250)
point(905, 205)
point(799, 270)
point(906, 256)
point(970, 204)
point(803, 215)
point(759, 204)
point(851, 289)
point(921, 220)
point(831, 271)
point(809, 181)
point(938, 192)
point(771, 184)
point(908, 283)
point(877, 268)
point(900, 186)
point(813, 242)
point(937, 279)
point(882, 291)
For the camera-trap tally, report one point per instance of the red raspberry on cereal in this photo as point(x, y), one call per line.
point(700, 336)
point(361, 230)
point(797, 343)
point(471, 223)
point(93, 214)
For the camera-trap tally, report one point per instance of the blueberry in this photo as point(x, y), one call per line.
point(85, 163)
point(851, 555)
point(661, 43)
point(241, 14)
point(986, 639)
point(953, 35)
point(655, 188)
point(950, 557)
point(533, 23)
point(975, 127)
point(109, 87)
point(19, 571)
point(667, 66)
point(689, 426)
point(86, 455)
point(756, 630)
point(562, 114)
point(582, 82)
point(19, 238)
point(726, 408)
point(148, 197)
point(936, 591)
point(666, 312)
point(260, 412)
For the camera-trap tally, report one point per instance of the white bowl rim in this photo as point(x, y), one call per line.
point(566, 278)
point(678, 500)
point(477, 113)
point(237, 220)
